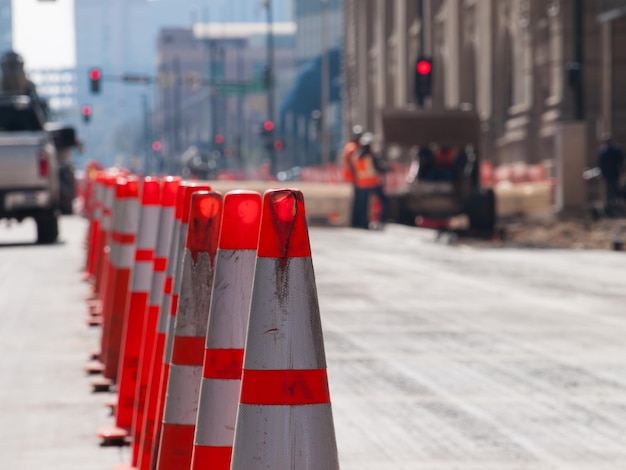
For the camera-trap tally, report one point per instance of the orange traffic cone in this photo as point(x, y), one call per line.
point(284, 387)
point(122, 242)
point(189, 335)
point(164, 239)
point(163, 350)
point(226, 334)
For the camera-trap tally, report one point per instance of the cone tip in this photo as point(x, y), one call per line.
point(284, 232)
point(189, 191)
point(205, 216)
point(170, 190)
point(151, 192)
point(241, 220)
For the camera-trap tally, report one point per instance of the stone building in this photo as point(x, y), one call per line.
point(514, 61)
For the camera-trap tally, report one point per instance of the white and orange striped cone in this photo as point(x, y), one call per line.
point(164, 239)
point(226, 334)
point(284, 420)
point(97, 188)
point(123, 240)
point(122, 249)
point(189, 334)
point(166, 325)
point(141, 280)
point(101, 259)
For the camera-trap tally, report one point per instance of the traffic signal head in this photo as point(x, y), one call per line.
point(268, 126)
point(95, 76)
point(423, 78)
point(218, 139)
point(86, 111)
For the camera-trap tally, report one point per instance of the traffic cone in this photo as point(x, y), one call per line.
point(164, 239)
point(226, 334)
point(135, 310)
point(163, 349)
point(284, 417)
point(122, 241)
point(95, 220)
point(189, 334)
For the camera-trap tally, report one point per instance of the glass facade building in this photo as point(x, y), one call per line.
point(6, 28)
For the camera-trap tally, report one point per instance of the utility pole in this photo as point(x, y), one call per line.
point(325, 84)
point(269, 81)
point(175, 154)
point(146, 136)
point(576, 68)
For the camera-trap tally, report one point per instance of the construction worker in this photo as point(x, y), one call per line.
point(349, 150)
point(367, 180)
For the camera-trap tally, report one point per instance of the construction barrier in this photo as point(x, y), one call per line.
point(226, 333)
point(284, 386)
point(211, 329)
point(189, 332)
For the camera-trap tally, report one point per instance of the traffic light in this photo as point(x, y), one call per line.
point(86, 113)
point(279, 145)
point(267, 135)
point(157, 146)
point(95, 76)
point(423, 79)
point(218, 139)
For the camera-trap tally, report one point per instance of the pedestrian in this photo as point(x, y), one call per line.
point(611, 163)
point(351, 150)
point(368, 169)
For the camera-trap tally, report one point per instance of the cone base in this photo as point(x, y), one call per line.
point(101, 384)
point(94, 367)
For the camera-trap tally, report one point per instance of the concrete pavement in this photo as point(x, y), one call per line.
point(439, 357)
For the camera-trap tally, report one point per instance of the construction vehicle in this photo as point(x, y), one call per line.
point(444, 178)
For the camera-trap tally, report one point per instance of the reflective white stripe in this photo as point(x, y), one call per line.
point(142, 276)
point(217, 412)
point(167, 357)
point(166, 301)
point(147, 231)
point(98, 198)
point(166, 225)
point(115, 257)
point(195, 296)
point(126, 258)
point(181, 400)
point(282, 334)
point(132, 211)
point(182, 239)
point(156, 289)
point(119, 207)
point(281, 437)
point(230, 300)
point(109, 197)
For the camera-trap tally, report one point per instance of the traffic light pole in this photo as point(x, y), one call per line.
point(420, 46)
point(270, 81)
point(325, 84)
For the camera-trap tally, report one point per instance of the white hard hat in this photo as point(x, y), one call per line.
point(366, 139)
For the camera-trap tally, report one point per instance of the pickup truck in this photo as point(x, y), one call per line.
point(29, 172)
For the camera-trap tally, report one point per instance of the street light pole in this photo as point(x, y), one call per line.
point(325, 79)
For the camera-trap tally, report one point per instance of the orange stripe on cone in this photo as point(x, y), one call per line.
point(190, 326)
point(225, 340)
point(284, 389)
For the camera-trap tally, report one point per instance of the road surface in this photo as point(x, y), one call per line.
point(439, 357)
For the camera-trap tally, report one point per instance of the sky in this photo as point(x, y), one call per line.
point(43, 33)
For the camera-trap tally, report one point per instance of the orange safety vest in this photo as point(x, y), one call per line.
point(348, 154)
point(366, 175)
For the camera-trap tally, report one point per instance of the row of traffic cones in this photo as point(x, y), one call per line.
point(210, 326)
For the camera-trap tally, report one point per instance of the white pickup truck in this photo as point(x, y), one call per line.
point(29, 175)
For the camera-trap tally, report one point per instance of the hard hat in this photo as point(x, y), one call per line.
point(357, 132)
point(366, 139)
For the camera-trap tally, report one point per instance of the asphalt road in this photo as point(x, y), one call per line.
point(439, 357)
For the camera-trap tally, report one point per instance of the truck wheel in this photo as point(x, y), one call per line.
point(47, 227)
point(481, 210)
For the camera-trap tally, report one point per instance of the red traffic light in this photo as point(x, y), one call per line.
point(95, 74)
point(86, 110)
point(279, 145)
point(424, 67)
point(268, 126)
point(157, 146)
point(218, 139)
